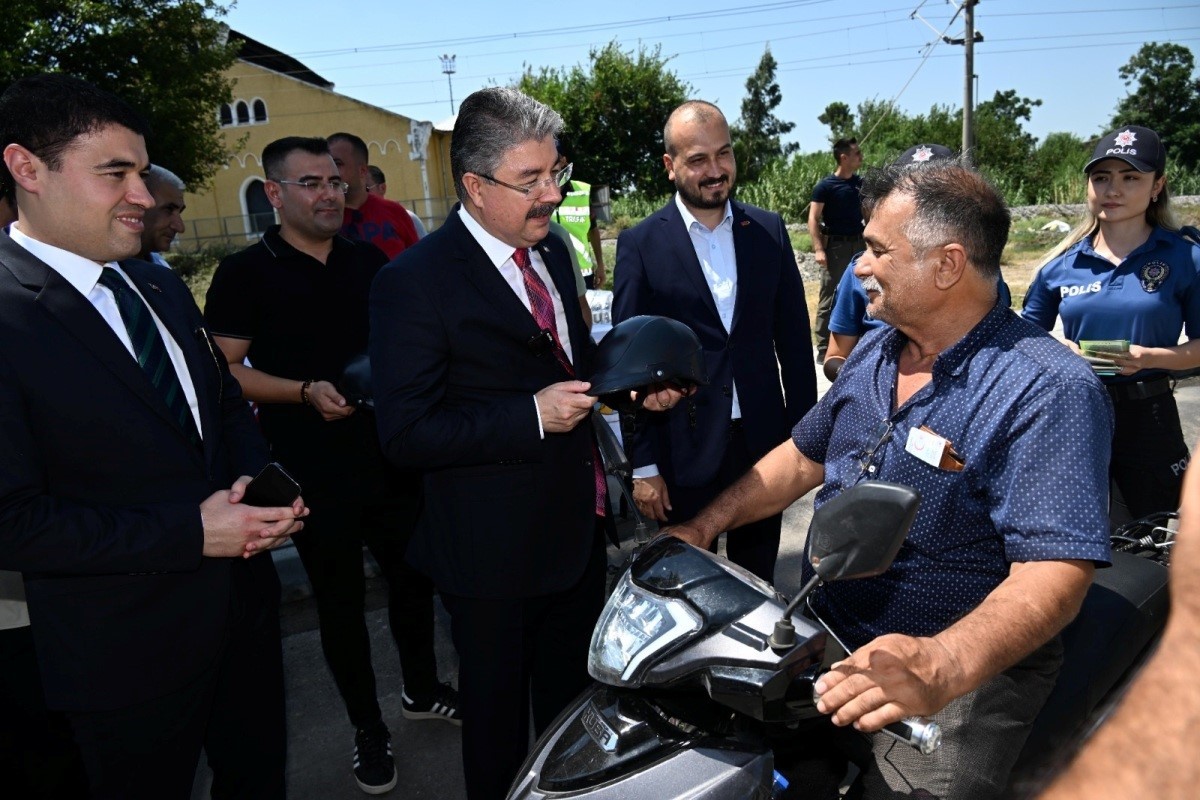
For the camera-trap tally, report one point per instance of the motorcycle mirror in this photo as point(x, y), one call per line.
point(616, 463)
point(612, 455)
point(859, 532)
point(855, 535)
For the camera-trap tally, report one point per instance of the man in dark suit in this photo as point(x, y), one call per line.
point(476, 365)
point(727, 270)
point(122, 439)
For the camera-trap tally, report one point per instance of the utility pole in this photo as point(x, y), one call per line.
point(448, 68)
point(968, 128)
point(970, 38)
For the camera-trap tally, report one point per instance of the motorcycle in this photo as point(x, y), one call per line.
point(705, 673)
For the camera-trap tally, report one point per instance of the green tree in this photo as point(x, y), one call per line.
point(840, 119)
point(756, 135)
point(1166, 98)
point(613, 112)
point(1001, 141)
point(167, 58)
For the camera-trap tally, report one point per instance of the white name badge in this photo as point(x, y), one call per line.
point(926, 446)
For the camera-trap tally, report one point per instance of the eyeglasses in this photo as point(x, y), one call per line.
point(881, 435)
point(558, 179)
point(333, 185)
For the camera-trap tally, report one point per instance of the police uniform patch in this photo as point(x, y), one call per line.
point(1153, 275)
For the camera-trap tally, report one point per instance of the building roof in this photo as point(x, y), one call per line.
point(259, 54)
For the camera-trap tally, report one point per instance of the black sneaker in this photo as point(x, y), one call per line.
point(443, 704)
point(374, 767)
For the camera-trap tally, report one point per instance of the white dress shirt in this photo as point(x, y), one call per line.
point(501, 256)
point(84, 275)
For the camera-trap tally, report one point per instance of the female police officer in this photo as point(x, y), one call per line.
point(1126, 273)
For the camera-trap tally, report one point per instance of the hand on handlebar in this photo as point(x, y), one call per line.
point(887, 680)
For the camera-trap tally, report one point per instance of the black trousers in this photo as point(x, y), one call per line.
point(234, 711)
point(514, 653)
point(754, 546)
point(1149, 454)
point(330, 547)
point(38, 758)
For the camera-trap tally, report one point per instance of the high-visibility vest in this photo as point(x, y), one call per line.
point(575, 214)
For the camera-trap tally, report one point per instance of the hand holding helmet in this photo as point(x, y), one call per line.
point(648, 362)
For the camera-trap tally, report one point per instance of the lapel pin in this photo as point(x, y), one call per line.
point(744, 222)
point(154, 286)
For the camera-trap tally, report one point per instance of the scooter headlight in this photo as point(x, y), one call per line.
point(635, 626)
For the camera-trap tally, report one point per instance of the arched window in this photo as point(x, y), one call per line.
point(260, 111)
point(243, 113)
point(226, 115)
point(260, 213)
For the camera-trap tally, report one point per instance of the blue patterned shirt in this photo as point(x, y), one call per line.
point(1032, 426)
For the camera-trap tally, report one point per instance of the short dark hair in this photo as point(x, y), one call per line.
point(954, 203)
point(376, 174)
point(356, 144)
point(491, 122)
point(46, 113)
point(277, 152)
point(842, 148)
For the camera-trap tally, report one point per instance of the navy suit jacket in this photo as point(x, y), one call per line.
point(454, 367)
point(100, 490)
point(768, 352)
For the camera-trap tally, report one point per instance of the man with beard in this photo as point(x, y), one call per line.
point(727, 270)
point(980, 412)
point(478, 351)
point(165, 220)
point(296, 304)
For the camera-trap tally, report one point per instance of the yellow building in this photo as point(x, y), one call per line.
point(274, 95)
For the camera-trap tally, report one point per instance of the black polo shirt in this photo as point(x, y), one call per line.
point(304, 320)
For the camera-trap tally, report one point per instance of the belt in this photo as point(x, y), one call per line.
point(843, 237)
point(1139, 390)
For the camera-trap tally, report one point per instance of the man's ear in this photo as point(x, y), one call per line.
point(669, 163)
point(951, 263)
point(473, 183)
point(274, 193)
point(24, 167)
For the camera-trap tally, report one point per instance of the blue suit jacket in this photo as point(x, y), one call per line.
point(768, 353)
point(100, 490)
point(454, 367)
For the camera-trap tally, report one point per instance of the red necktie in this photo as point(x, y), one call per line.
point(541, 305)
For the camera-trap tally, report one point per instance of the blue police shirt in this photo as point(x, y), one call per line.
point(1148, 298)
point(849, 315)
point(1033, 428)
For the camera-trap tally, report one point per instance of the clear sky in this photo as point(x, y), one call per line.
point(1064, 52)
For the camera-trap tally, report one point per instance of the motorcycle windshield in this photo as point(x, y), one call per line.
point(721, 591)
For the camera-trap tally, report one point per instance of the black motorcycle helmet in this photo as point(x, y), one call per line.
point(642, 351)
point(355, 384)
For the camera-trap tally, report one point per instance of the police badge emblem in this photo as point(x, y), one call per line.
point(1153, 275)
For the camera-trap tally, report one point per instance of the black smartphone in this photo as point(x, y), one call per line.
point(272, 487)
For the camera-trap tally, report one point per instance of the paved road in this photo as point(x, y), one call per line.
point(428, 753)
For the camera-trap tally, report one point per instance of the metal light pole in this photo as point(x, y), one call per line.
point(448, 68)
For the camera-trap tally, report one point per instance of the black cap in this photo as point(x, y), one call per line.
point(922, 154)
point(1138, 147)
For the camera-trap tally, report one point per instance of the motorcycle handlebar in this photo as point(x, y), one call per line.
point(920, 733)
